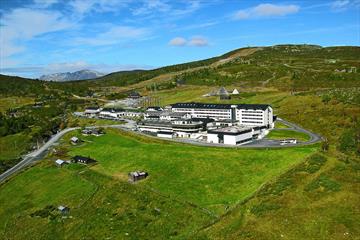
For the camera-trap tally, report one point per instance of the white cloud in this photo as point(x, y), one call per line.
point(178, 41)
point(197, 26)
point(150, 7)
point(115, 35)
point(341, 5)
point(44, 3)
point(82, 7)
point(266, 10)
point(196, 41)
point(23, 24)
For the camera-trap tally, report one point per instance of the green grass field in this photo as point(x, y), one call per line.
point(280, 125)
point(284, 134)
point(191, 173)
point(187, 187)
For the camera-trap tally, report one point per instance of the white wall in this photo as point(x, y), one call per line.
point(232, 139)
point(212, 138)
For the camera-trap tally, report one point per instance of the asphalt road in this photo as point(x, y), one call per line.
point(30, 157)
point(41, 152)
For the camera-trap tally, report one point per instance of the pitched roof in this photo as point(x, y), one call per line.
point(59, 161)
point(222, 91)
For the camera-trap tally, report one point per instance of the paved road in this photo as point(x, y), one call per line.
point(30, 157)
point(41, 152)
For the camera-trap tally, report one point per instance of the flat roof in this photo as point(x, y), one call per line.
point(232, 130)
point(219, 106)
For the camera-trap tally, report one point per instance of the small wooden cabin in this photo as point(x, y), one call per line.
point(137, 175)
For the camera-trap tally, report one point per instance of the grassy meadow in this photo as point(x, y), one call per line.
point(14, 102)
point(188, 187)
point(190, 173)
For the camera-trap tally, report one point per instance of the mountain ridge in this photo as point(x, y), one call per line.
point(84, 74)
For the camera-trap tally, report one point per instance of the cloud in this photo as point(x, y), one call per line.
point(266, 10)
point(197, 26)
point(115, 35)
point(178, 41)
point(23, 24)
point(82, 7)
point(44, 3)
point(342, 5)
point(151, 6)
point(196, 41)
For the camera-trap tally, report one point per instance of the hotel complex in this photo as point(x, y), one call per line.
point(231, 124)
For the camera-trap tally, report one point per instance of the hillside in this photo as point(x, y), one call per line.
point(193, 192)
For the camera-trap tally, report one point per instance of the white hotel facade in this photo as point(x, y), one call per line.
point(244, 114)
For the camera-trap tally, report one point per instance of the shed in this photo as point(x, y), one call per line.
point(63, 209)
point(134, 94)
point(60, 162)
point(137, 175)
point(235, 92)
point(74, 140)
point(83, 160)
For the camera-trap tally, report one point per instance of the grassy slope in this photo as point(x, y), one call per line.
point(13, 102)
point(191, 173)
point(306, 203)
point(100, 207)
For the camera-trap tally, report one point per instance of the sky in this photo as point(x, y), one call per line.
point(48, 36)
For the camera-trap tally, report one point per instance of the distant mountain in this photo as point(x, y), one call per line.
point(74, 76)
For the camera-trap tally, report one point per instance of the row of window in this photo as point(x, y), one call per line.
point(252, 122)
point(252, 118)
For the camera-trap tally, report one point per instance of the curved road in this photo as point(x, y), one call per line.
point(130, 125)
point(40, 153)
point(30, 157)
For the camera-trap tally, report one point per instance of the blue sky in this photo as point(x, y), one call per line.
point(46, 36)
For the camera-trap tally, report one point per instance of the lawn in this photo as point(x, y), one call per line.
point(215, 178)
point(278, 134)
point(100, 207)
point(280, 125)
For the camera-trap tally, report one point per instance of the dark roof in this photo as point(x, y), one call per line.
point(219, 106)
point(92, 108)
point(134, 93)
point(201, 105)
point(157, 108)
point(164, 132)
point(112, 110)
point(253, 106)
point(86, 159)
point(155, 123)
point(223, 91)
